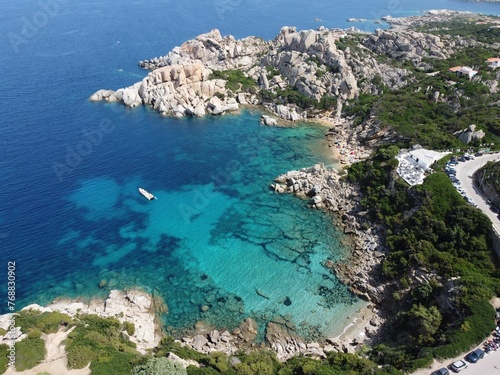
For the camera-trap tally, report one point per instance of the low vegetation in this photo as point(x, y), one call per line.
point(489, 176)
point(461, 26)
point(4, 361)
point(159, 366)
point(101, 342)
point(235, 79)
point(439, 268)
point(33, 320)
point(29, 352)
point(294, 96)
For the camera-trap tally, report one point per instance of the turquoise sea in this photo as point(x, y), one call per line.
point(216, 234)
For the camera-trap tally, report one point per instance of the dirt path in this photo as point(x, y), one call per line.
point(55, 362)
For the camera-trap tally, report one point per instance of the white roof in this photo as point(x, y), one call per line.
point(426, 157)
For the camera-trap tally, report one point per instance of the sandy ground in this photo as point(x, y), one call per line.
point(55, 362)
point(355, 330)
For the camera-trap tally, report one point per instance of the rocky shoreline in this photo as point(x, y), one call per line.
point(214, 74)
point(318, 64)
point(325, 189)
point(141, 309)
point(281, 337)
point(133, 306)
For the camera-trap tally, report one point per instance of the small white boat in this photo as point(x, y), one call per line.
point(147, 194)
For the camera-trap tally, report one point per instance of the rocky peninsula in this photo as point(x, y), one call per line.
point(323, 65)
point(314, 75)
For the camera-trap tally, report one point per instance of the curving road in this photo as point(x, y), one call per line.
point(490, 365)
point(465, 170)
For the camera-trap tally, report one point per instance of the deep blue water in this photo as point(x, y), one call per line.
point(216, 233)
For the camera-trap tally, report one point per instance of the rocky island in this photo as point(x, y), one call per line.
point(421, 256)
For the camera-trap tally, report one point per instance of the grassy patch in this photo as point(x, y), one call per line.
point(29, 352)
point(44, 322)
point(4, 361)
point(100, 341)
point(236, 80)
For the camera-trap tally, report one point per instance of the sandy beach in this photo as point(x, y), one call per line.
point(355, 332)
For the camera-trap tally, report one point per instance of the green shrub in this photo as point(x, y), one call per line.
point(79, 356)
point(100, 341)
point(45, 322)
point(258, 362)
point(159, 366)
point(4, 361)
point(192, 370)
point(307, 366)
point(326, 102)
point(35, 334)
point(129, 327)
point(29, 352)
point(235, 79)
point(114, 362)
point(168, 345)
point(294, 96)
point(474, 329)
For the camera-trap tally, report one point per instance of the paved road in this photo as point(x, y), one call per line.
point(490, 364)
point(465, 170)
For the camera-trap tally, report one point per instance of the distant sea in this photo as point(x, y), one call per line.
point(216, 235)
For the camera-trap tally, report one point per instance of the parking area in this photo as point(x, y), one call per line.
point(483, 360)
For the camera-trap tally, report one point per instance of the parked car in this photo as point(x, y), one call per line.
point(478, 154)
point(461, 158)
point(441, 371)
point(475, 356)
point(459, 366)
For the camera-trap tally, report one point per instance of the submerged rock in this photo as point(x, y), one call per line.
point(261, 293)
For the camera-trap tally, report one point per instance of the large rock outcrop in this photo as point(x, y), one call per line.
point(407, 45)
point(133, 306)
point(213, 51)
point(309, 61)
point(323, 64)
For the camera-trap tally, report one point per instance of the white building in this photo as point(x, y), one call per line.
point(425, 158)
point(415, 164)
point(464, 71)
point(493, 62)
